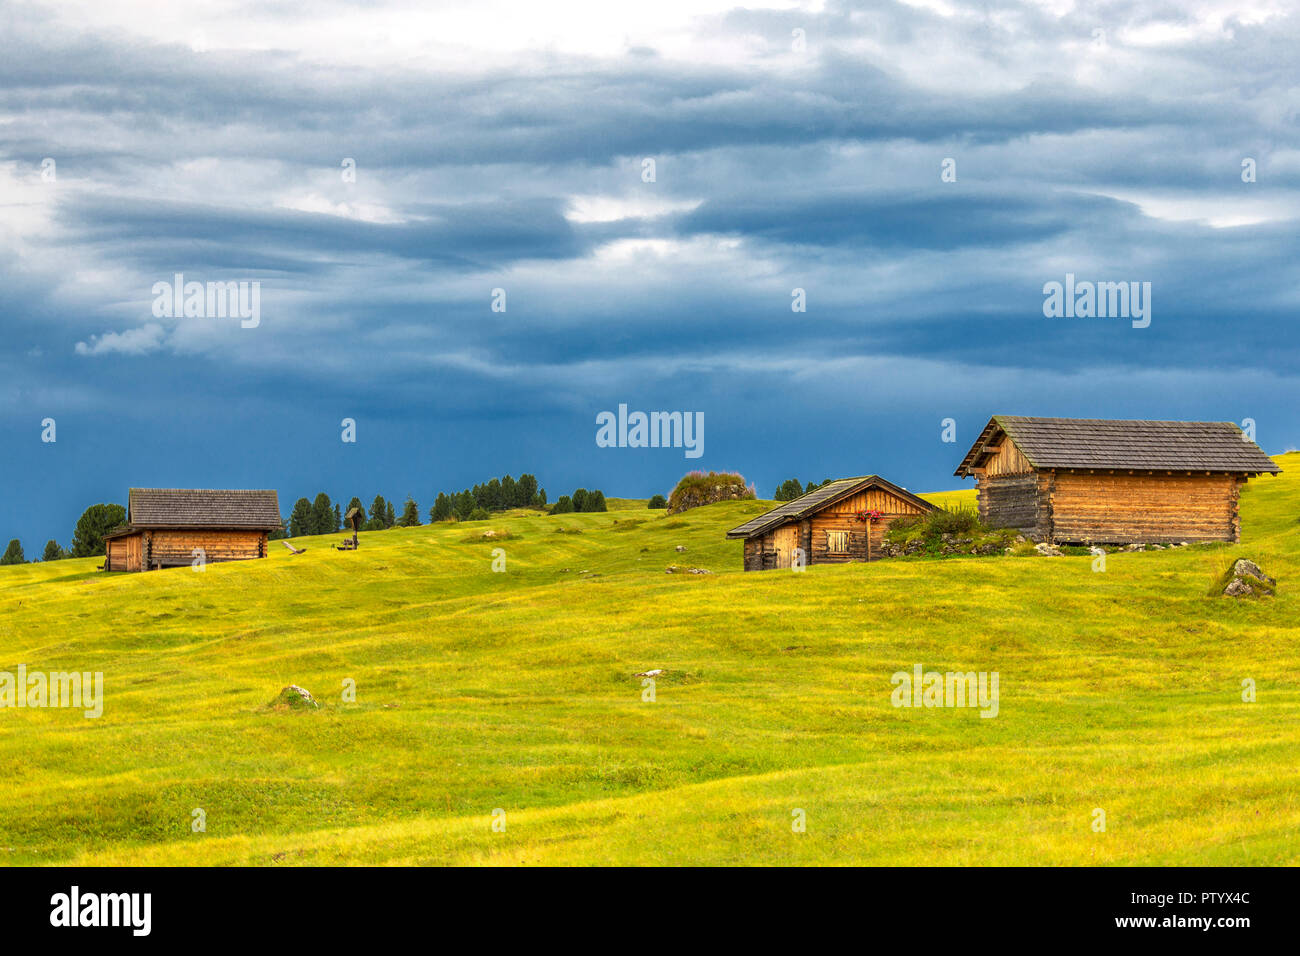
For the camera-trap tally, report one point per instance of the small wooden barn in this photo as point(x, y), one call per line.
point(1099, 481)
point(165, 526)
point(841, 521)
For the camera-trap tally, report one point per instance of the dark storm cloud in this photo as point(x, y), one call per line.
point(468, 235)
point(1115, 158)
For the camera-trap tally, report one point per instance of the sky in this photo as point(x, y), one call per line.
point(645, 187)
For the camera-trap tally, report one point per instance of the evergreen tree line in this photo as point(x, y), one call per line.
point(580, 500)
point(790, 489)
point(477, 503)
point(323, 516)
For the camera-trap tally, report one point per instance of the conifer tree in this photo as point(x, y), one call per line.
point(300, 521)
point(410, 513)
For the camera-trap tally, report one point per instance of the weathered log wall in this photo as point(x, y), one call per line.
point(1016, 501)
point(1112, 508)
point(173, 548)
point(1121, 509)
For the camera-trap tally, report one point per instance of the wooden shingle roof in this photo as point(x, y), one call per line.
point(820, 498)
point(203, 508)
point(1104, 444)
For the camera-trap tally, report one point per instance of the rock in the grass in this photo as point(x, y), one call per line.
point(1048, 550)
point(1247, 579)
point(296, 698)
point(681, 547)
point(1135, 546)
point(654, 673)
point(1243, 567)
point(698, 571)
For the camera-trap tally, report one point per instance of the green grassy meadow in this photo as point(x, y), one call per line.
point(478, 691)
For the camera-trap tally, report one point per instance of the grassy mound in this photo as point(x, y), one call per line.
point(698, 489)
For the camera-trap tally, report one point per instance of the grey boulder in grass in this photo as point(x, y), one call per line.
point(1247, 579)
point(294, 697)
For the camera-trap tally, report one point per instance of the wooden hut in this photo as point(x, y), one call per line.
point(1098, 481)
point(165, 526)
point(841, 521)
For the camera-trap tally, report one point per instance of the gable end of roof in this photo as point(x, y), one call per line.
point(819, 499)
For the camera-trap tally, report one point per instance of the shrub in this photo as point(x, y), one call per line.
point(657, 501)
point(563, 506)
point(959, 522)
point(479, 514)
point(698, 489)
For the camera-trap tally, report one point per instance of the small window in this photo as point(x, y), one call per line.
point(837, 542)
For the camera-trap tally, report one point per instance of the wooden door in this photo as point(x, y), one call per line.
point(784, 541)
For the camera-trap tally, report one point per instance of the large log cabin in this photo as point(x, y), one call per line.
point(1098, 481)
point(844, 520)
point(166, 526)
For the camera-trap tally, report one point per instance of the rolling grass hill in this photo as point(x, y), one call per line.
point(478, 691)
